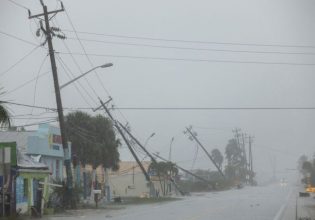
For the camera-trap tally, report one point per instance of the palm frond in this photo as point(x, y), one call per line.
point(4, 115)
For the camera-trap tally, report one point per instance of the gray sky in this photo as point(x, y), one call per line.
point(283, 134)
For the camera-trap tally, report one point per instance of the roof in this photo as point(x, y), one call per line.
point(20, 137)
point(26, 162)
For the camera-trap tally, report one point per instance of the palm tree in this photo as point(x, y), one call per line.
point(4, 113)
point(217, 157)
point(233, 152)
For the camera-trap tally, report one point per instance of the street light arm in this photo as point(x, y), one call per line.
point(71, 81)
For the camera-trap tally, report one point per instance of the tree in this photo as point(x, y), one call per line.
point(233, 153)
point(301, 161)
point(93, 139)
point(307, 167)
point(236, 167)
point(4, 115)
point(165, 170)
point(217, 157)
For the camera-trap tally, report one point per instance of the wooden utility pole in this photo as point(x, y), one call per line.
point(115, 123)
point(244, 136)
point(137, 142)
point(184, 170)
point(49, 33)
point(193, 136)
point(250, 141)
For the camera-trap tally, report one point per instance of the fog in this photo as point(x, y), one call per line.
point(150, 76)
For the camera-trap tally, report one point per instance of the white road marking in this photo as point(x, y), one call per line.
point(282, 208)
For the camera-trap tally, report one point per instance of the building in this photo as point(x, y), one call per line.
point(31, 191)
point(43, 145)
point(20, 179)
point(129, 181)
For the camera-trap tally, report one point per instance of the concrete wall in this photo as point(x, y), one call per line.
point(129, 185)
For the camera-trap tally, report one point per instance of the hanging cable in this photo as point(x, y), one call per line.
point(67, 71)
point(18, 38)
point(194, 48)
point(192, 41)
point(193, 60)
point(19, 61)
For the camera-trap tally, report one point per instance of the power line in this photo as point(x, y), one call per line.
point(29, 106)
point(32, 124)
point(80, 70)
point(192, 41)
point(19, 61)
point(35, 88)
point(36, 115)
point(194, 48)
point(18, 4)
point(167, 108)
point(216, 108)
point(27, 82)
point(66, 69)
point(33, 118)
point(18, 38)
point(89, 60)
point(193, 60)
point(85, 53)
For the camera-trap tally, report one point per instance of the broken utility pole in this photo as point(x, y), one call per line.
point(193, 136)
point(115, 123)
point(182, 169)
point(137, 142)
point(146, 151)
point(49, 33)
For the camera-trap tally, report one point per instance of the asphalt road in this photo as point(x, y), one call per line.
point(272, 202)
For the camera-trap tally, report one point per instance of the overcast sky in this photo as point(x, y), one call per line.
point(150, 76)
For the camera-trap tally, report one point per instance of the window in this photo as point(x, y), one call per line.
point(25, 187)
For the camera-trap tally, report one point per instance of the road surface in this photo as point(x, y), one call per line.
point(272, 202)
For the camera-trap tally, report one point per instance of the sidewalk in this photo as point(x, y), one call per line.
point(306, 208)
point(299, 208)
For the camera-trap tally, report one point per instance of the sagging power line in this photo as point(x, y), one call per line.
point(193, 41)
point(190, 59)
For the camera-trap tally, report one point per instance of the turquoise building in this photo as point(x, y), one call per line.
point(45, 146)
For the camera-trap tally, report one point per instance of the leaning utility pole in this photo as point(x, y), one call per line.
point(49, 32)
point(184, 170)
point(193, 136)
point(147, 177)
point(137, 142)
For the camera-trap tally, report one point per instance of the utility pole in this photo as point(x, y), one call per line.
point(49, 32)
point(182, 169)
point(115, 123)
point(143, 148)
point(244, 137)
point(170, 153)
point(193, 137)
point(137, 142)
point(250, 162)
